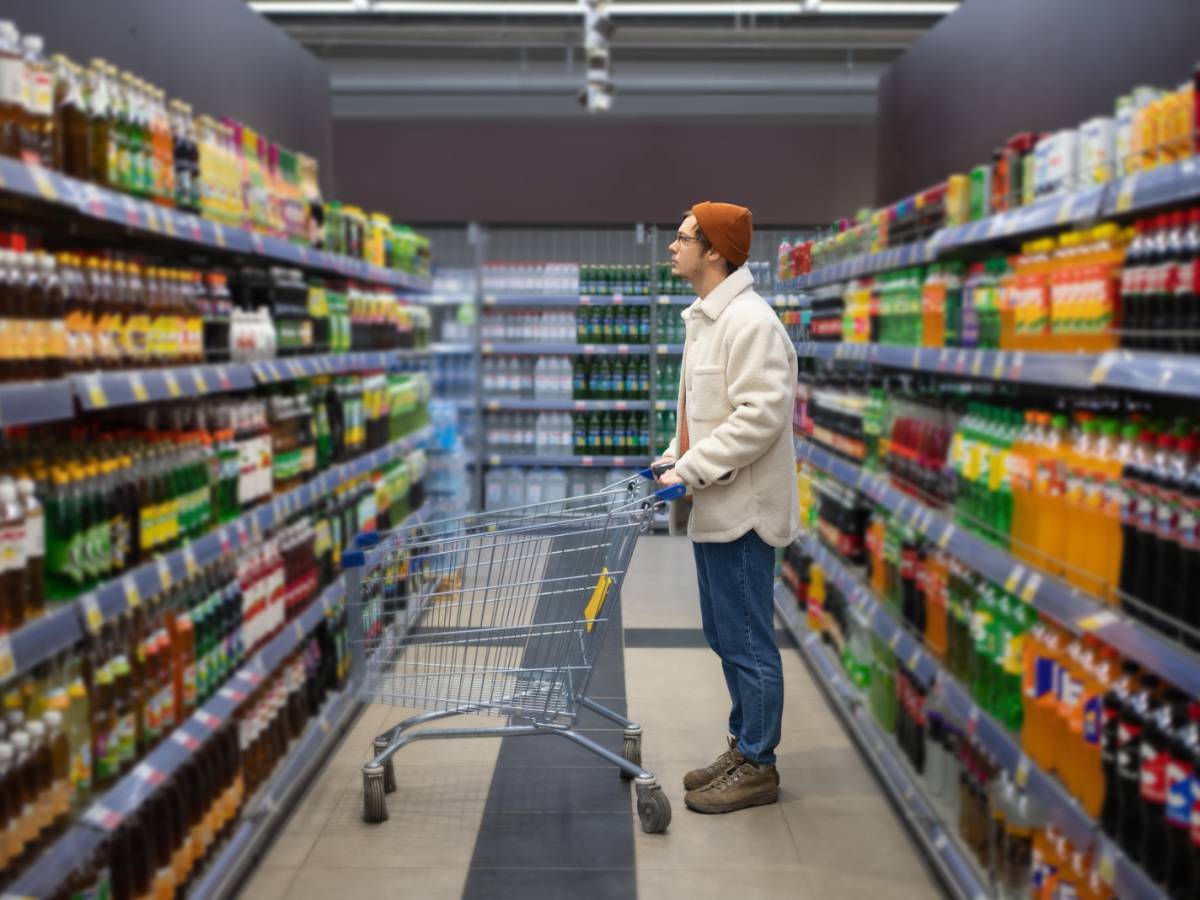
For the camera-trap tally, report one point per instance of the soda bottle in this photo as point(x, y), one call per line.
point(13, 581)
point(1187, 296)
point(38, 124)
point(1131, 726)
point(1155, 746)
point(1183, 746)
point(1168, 569)
point(1135, 507)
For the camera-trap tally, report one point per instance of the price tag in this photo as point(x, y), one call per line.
point(149, 774)
point(323, 725)
point(1021, 776)
point(913, 659)
point(943, 360)
point(103, 818)
point(973, 721)
point(184, 739)
point(42, 181)
point(299, 629)
point(218, 234)
point(138, 387)
point(916, 358)
point(940, 842)
point(960, 363)
point(999, 364)
point(92, 616)
point(229, 692)
point(168, 222)
point(1103, 367)
point(173, 389)
point(189, 561)
point(977, 363)
point(1014, 578)
point(95, 392)
point(164, 573)
point(588, 349)
point(1097, 621)
point(1125, 195)
point(945, 537)
point(1065, 211)
point(151, 215)
point(587, 461)
point(207, 719)
point(295, 368)
point(1031, 587)
point(1018, 365)
point(255, 530)
point(894, 640)
point(8, 665)
point(200, 382)
point(133, 596)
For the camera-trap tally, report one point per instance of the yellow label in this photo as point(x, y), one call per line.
point(42, 182)
point(596, 603)
point(173, 389)
point(96, 394)
point(132, 597)
point(7, 664)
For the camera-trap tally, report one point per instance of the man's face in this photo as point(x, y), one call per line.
point(687, 257)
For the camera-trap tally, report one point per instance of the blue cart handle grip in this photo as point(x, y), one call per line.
point(652, 473)
point(674, 492)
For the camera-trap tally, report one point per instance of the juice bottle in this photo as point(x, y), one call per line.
point(1081, 535)
point(1049, 485)
point(72, 138)
point(43, 773)
point(12, 556)
point(165, 842)
point(38, 124)
point(60, 756)
point(28, 784)
point(1022, 462)
point(78, 727)
point(8, 811)
point(12, 89)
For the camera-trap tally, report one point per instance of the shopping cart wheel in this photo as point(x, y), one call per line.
point(374, 802)
point(632, 751)
point(389, 771)
point(654, 809)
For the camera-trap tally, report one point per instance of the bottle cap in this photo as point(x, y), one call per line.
point(53, 719)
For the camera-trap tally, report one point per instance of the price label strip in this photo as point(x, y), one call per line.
point(8, 663)
point(93, 618)
point(133, 596)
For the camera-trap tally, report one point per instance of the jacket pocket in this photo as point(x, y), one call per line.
point(708, 400)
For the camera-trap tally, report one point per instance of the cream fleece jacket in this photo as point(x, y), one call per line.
point(739, 375)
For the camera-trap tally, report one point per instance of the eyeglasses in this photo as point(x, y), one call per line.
point(685, 238)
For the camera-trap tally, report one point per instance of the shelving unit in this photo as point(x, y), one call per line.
point(956, 869)
point(262, 811)
point(567, 405)
point(587, 462)
point(488, 348)
point(42, 638)
point(565, 301)
point(89, 202)
point(1125, 877)
point(1176, 183)
point(1066, 604)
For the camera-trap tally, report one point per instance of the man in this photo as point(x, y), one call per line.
point(733, 449)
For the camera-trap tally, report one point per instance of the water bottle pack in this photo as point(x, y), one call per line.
point(508, 486)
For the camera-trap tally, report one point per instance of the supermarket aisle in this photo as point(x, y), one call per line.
point(535, 817)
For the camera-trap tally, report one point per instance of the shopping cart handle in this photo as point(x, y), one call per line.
point(353, 559)
point(366, 539)
point(653, 472)
point(674, 492)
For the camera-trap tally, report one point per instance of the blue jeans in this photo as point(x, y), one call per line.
point(737, 610)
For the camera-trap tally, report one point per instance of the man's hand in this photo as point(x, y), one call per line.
point(668, 478)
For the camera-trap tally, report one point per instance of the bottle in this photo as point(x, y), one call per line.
point(13, 572)
point(1135, 713)
point(60, 755)
point(1155, 757)
point(12, 89)
point(72, 138)
point(29, 785)
point(1183, 746)
point(1115, 700)
point(38, 126)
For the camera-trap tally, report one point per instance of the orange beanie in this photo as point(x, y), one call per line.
point(728, 228)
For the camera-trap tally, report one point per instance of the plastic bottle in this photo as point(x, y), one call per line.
point(1183, 746)
point(13, 571)
point(1134, 717)
point(12, 89)
point(38, 125)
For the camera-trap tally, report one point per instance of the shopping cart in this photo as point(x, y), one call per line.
point(497, 614)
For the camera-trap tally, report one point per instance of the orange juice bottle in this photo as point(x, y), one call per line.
point(1064, 757)
point(936, 638)
point(1107, 258)
point(1006, 298)
point(1037, 679)
point(1075, 471)
point(1053, 726)
point(1059, 286)
point(1022, 462)
point(933, 308)
point(1102, 671)
point(1114, 503)
point(1050, 486)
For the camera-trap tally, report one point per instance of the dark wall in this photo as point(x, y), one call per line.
point(218, 55)
point(997, 67)
point(603, 172)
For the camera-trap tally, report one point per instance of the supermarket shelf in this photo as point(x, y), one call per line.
point(1157, 373)
point(106, 814)
point(1145, 190)
point(39, 640)
point(676, 299)
point(1044, 215)
point(563, 349)
point(446, 299)
point(587, 462)
point(567, 405)
point(101, 390)
point(270, 807)
point(666, 405)
point(870, 264)
point(1048, 793)
point(450, 348)
point(560, 301)
point(946, 854)
point(1065, 604)
point(668, 349)
point(1065, 370)
point(94, 202)
point(34, 402)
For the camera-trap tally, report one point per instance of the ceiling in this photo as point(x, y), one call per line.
point(806, 60)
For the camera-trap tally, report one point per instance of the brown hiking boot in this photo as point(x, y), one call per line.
point(698, 778)
point(744, 785)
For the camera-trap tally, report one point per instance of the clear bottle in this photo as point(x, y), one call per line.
point(72, 137)
point(12, 89)
point(38, 129)
point(12, 556)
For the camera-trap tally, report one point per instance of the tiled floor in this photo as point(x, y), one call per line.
point(832, 836)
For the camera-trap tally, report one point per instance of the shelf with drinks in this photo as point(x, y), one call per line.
point(240, 682)
point(1048, 795)
point(1141, 158)
point(567, 405)
point(90, 201)
point(1065, 603)
point(587, 462)
point(492, 348)
point(451, 349)
point(40, 639)
point(941, 849)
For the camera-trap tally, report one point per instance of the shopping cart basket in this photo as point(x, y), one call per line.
point(498, 614)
